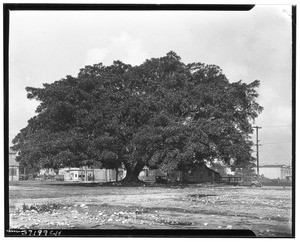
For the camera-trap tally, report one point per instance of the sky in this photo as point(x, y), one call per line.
point(45, 46)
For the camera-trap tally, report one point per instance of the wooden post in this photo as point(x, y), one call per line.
point(257, 151)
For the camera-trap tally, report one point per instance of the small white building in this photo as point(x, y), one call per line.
point(89, 174)
point(105, 175)
point(76, 174)
point(276, 171)
point(13, 166)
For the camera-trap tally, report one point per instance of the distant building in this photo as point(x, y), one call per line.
point(176, 176)
point(76, 174)
point(89, 174)
point(199, 174)
point(105, 175)
point(276, 171)
point(13, 166)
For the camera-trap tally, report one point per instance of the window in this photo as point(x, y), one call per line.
point(75, 175)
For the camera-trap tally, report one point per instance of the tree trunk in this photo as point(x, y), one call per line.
point(132, 174)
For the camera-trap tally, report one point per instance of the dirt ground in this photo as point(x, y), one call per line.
point(267, 211)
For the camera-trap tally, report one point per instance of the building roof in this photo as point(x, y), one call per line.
point(220, 170)
point(76, 169)
point(278, 166)
point(213, 170)
point(201, 166)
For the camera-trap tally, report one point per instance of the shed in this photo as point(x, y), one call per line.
point(198, 174)
point(76, 174)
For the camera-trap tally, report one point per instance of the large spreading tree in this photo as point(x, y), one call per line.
point(163, 114)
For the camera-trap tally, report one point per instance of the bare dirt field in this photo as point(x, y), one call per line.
point(267, 211)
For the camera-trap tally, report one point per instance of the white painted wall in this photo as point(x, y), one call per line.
point(270, 172)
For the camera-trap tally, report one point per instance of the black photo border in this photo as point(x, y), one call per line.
point(181, 233)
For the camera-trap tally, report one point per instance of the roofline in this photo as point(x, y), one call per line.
point(281, 166)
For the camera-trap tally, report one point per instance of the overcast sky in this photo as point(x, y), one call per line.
point(45, 46)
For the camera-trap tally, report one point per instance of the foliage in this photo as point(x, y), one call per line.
point(163, 114)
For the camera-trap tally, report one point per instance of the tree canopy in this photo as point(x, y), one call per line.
point(163, 113)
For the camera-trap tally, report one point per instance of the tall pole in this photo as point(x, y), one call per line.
point(257, 151)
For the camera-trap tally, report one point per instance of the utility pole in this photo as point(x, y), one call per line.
point(257, 152)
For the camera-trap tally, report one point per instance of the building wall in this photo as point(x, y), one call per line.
point(202, 174)
point(13, 173)
point(105, 175)
point(100, 175)
point(13, 167)
point(197, 175)
point(77, 174)
point(111, 175)
point(271, 172)
point(176, 176)
point(97, 175)
point(286, 172)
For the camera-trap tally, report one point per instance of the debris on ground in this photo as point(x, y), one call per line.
point(266, 211)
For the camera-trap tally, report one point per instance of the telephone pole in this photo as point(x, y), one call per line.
point(257, 152)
